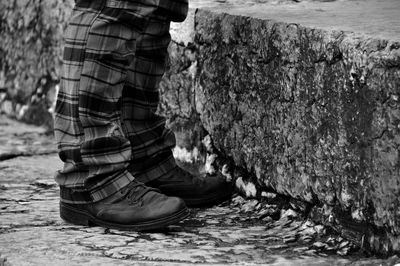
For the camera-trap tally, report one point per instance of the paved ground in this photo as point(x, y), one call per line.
point(240, 232)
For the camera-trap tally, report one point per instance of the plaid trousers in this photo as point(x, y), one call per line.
point(106, 128)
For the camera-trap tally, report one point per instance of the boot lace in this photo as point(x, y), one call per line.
point(135, 191)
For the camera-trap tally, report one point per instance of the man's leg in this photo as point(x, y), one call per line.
point(152, 160)
point(151, 142)
point(87, 126)
point(95, 184)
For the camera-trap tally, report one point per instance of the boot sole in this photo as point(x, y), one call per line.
point(82, 217)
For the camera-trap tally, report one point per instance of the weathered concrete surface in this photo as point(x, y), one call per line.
point(373, 18)
point(308, 112)
point(254, 232)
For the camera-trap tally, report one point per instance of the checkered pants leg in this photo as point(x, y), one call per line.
point(105, 122)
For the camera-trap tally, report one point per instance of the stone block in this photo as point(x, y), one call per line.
point(310, 112)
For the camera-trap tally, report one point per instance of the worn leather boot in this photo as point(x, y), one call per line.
point(197, 192)
point(136, 208)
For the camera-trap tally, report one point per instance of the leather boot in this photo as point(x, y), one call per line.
point(136, 208)
point(195, 191)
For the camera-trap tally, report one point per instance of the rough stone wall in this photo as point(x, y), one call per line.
point(310, 114)
point(30, 56)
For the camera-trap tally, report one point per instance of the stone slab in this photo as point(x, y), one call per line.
point(310, 111)
point(372, 18)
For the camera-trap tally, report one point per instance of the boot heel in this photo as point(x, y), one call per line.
point(77, 217)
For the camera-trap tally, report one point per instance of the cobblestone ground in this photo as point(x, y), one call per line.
point(240, 232)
